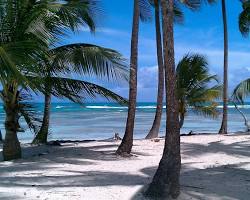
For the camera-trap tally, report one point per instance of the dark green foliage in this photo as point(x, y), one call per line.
point(195, 86)
point(244, 18)
point(241, 91)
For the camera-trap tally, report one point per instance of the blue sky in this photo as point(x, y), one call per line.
point(201, 33)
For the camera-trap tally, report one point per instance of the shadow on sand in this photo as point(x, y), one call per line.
point(216, 182)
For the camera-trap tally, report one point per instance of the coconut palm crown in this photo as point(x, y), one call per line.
point(28, 31)
point(196, 88)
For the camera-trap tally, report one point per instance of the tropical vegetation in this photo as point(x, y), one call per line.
point(35, 61)
point(178, 19)
point(85, 59)
point(240, 93)
point(29, 63)
point(196, 88)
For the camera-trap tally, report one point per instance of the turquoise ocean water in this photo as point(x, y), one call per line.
point(102, 120)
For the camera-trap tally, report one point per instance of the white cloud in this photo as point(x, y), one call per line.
point(108, 31)
point(206, 42)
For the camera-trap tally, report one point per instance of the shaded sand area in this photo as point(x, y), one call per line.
point(213, 167)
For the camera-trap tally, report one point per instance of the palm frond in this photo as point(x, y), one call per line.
point(244, 19)
point(75, 90)
point(194, 85)
point(88, 59)
point(194, 4)
point(241, 91)
point(207, 110)
point(29, 113)
point(191, 4)
point(178, 14)
point(145, 10)
point(75, 13)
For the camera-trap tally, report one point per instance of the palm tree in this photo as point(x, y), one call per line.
point(223, 129)
point(240, 92)
point(27, 29)
point(127, 141)
point(141, 10)
point(20, 46)
point(83, 59)
point(166, 179)
point(165, 182)
point(194, 87)
point(153, 133)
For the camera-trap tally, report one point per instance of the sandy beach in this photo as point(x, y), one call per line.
point(213, 167)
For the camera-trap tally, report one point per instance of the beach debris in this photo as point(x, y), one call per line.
point(74, 141)
point(191, 186)
point(117, 137)
point(54, 143)
point(43, 154)
point(156, 140)
point(191, 133)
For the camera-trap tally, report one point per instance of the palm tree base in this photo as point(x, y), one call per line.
point(124, 149)
point(41, 138)
point(161, 187)
point(223, 128)
point(152, 134)
point(11, 150)
point(223, 131)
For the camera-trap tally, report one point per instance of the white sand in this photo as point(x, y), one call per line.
point(213, 167)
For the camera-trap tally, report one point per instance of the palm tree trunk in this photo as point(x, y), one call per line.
point(166, 179)
point(244, 117)
point(42, 135)
point(182, 117)
point(127, 141)
point(223, 129)
point(154, 131)
point(11, 145)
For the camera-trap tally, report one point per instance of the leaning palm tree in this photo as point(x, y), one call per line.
point(240, 93)
point(87, 59)
point(223, 128)
point(241, 90)
point(27, 30)
point(141, 8)
point(195, 87)
point(21, 44)
point(178, 18)
point(153, 133)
